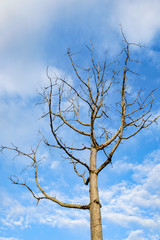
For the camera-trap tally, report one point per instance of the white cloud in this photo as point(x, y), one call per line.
point(138, 234)
point(24, 27)
point(23, 77)
point(140, 19)
point(10, 238)
point(16, 214)
point(19, 123)
point(20, 27)
point(127, 203)
point(23, 21)
point(73, 223)
point(24, 31)
point(54, 164)
point(126, 220)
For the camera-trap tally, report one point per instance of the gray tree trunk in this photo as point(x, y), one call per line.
point(95, 207)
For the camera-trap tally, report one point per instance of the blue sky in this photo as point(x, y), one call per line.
point(37, 33)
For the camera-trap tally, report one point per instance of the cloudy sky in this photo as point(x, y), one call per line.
point(35, 34)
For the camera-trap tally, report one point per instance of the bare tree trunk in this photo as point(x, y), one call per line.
point(95, 206)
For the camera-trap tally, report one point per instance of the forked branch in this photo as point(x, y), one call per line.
point(45, 195)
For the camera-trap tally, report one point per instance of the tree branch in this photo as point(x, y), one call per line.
point(32, 156)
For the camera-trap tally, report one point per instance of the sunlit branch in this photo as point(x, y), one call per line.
point(77, 115)
point(25, 185)
point(80, 175)
point(54, 134)
point(73, 65)
point(32, 156)
point(67, 147)
point(62, 204)
point(76, 92)
point(123, 109)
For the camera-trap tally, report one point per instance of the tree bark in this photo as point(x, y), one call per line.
point(95, 206)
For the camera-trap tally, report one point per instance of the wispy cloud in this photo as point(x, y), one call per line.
point(25, 29)
point(16, 214)
point(135, 203)
point(10, 238)
point(140, 235)
point(126, 204)
point(140, 19)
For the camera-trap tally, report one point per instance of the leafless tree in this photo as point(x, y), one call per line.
point(88, 107)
